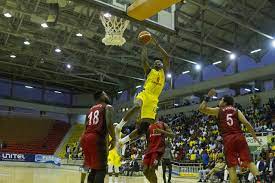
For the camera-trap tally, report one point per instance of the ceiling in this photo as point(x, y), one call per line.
point(205, 32)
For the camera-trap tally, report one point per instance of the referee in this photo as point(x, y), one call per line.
point(166, 160)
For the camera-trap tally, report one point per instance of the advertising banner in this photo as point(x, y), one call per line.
point(17, 157)
point(38, 158)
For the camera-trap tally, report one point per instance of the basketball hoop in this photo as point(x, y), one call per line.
point(114, 29)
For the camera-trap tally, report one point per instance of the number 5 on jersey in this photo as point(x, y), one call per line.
point(229, 119)
point(94, 118)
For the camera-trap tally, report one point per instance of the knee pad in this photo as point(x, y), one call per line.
point(143, 128)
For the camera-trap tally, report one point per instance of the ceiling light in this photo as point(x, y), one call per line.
point(169, 75)
point(255, 51)
point(27, 43)
point(8, 15)
point(185, 72)
point(214, 97)
point(256, 89)
point(198, 67)
point(12, 56)
point(29, 87)
point(44, 25)
point(79, 35)
point(176, 104)
point(59, 92)
point(57, 50)
point(69, 66)
point(273, 43)
point(120, 92)
point(248, 90)
point(232, 56)
point(107, 15)
point(218, 62)
point(138, 86)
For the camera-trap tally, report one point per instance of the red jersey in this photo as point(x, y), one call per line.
point(156, 140)
point(96, 121)
point(228, 121)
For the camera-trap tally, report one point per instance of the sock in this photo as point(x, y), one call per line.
point(125, 139)
point(121, 124)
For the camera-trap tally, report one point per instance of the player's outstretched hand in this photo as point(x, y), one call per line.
point(112, 144)
point(212, 92)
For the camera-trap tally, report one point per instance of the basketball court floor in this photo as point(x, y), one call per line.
point(50, 175)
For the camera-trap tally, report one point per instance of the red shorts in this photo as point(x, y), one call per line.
point(235, 146)
point(95, 151)
point(151, 159)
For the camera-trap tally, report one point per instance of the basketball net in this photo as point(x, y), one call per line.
point(114, 29)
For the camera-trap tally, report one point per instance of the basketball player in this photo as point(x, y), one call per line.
point(146, 102)
point(114, 162)
point(235, 145)
point(94, 140)
point(156, 148)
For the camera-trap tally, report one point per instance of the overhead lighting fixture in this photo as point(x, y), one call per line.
point(69, 66)
point(218, 62)
point(232, 56)
point(8, 15)
point(273, 43)
point(169, 75)
point(198, 67)
point(256, 89)
point(12, 56)
point(139, 86)
point(79, 35)
point(214, 97)
point(57, 50)
point(255, 51)
point(58, 92)
point(185, 72)
point(29, 87)
point(107, 15)
point(176, 105)
point(120, 92)
point(248, 90)
point(27, 43)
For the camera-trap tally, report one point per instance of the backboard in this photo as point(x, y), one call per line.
point(164, 19)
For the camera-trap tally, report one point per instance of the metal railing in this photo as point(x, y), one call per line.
point(187, 168)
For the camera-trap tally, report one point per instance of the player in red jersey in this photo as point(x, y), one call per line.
point(94, 140)
point(229, 123)
point(156, 146)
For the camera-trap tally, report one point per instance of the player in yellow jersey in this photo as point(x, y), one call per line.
point(114, 162)
point(146, 102)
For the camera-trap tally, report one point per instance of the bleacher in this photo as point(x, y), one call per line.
point(31, 135)
point(71, 141)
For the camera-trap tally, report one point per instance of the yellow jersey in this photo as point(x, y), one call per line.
point(155, 82)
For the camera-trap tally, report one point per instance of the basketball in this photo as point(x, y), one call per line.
point(144, 37)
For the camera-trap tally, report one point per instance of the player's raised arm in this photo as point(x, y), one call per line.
point(164, 54)
point(110, 126)
point(214, 111)
point(144, 60)
point(167, 131)
point(249, 127)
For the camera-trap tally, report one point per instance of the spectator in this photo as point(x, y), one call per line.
point(219, 167)
point(205, 158)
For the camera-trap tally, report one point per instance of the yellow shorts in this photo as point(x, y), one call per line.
point(113, 158)
point(149, 105)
